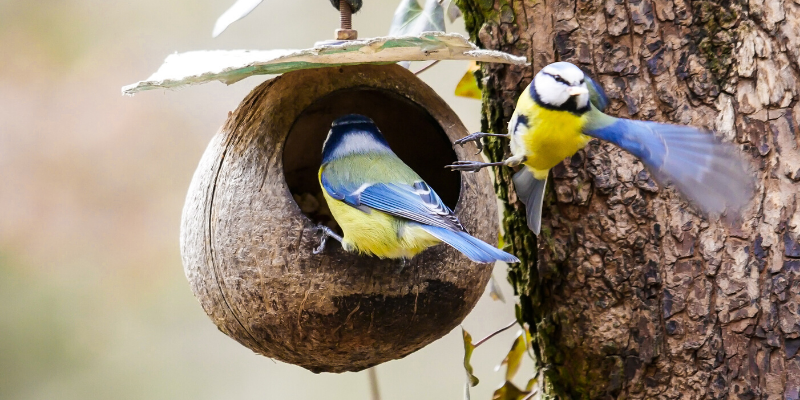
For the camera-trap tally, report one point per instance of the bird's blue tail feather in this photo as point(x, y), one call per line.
point(531, 191)
point(472, 247)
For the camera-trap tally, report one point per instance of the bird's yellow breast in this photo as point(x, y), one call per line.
point(551, 136)
point(377, 233)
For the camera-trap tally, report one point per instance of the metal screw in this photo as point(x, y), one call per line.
point(346, 18)
point(346, 14)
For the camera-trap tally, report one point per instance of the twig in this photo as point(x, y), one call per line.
point(491, 335)
point(531, 394)
point(373, 384)
point(425, 68)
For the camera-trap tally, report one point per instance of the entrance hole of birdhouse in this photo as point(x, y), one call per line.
point(413, 134)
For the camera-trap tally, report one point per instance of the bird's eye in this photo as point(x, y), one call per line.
point(581, 82)
point(562, 80)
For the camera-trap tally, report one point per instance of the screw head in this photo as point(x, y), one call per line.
point(346, 34)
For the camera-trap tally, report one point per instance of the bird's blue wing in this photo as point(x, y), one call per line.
point(339, 191)
point(707, 171)
point(417, 202)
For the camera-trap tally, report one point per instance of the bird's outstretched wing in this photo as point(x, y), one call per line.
point(417, 202)
point(708, 172)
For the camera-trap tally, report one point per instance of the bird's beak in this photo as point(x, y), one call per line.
point(577, 90)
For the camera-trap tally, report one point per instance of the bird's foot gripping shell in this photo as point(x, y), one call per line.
point(326, 233)
point(471, 166)
point(476, 137)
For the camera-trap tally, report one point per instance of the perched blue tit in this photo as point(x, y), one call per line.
point(383, 207)
point(562, 110)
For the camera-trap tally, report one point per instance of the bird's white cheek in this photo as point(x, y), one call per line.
point(555, 97)
point(583, 100)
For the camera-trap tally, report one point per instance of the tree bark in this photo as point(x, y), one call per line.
point(629, 292)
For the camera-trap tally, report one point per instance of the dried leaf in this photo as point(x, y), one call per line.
point(514, 357)
point(229, 66)
point(468, 85)
point(411, 19)
point(494, 290)
point(509, 392)
point(238, 10)
point(468, 349)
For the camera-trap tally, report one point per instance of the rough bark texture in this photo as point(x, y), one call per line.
point(634, 295)
point(247, 248)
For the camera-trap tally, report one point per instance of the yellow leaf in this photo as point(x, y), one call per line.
point(532, 383)
point(468, 85)
point(509, 392)
point(514, 357)
point(468, 348)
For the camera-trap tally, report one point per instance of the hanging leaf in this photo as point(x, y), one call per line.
point(528, 344)
point(518, 314)
point(453, 12)
point(514, 357)
point(238, 10)
point(410, 19)
point(494, 290)
point(404, 15)
point(509, 392)
point(468, 349)
point(501, 244)
point(468, 85)
point(532, 383)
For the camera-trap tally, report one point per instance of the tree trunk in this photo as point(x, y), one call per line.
point(630, 293)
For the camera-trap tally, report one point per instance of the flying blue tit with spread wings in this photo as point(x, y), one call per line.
point(562, 110)
point(383, 207)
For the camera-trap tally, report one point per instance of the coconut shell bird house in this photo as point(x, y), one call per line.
point(248, 229)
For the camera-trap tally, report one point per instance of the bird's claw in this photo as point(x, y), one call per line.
point(322, 241)
point(472, 137)
point(326, 233)
point(467, 166)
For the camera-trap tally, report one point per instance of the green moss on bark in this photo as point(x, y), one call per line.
point(716, 38)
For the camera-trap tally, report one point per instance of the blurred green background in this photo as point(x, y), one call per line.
point(93, 300)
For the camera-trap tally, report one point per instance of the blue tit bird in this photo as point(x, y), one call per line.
point(383, 207)
point(562, 110)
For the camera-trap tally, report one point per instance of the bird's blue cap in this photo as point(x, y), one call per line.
point(359, 133)
point(352, 119)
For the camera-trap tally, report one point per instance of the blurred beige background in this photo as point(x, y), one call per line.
point(93, 301)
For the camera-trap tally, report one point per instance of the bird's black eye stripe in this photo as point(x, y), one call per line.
point(557, 78)
point(581, 82)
